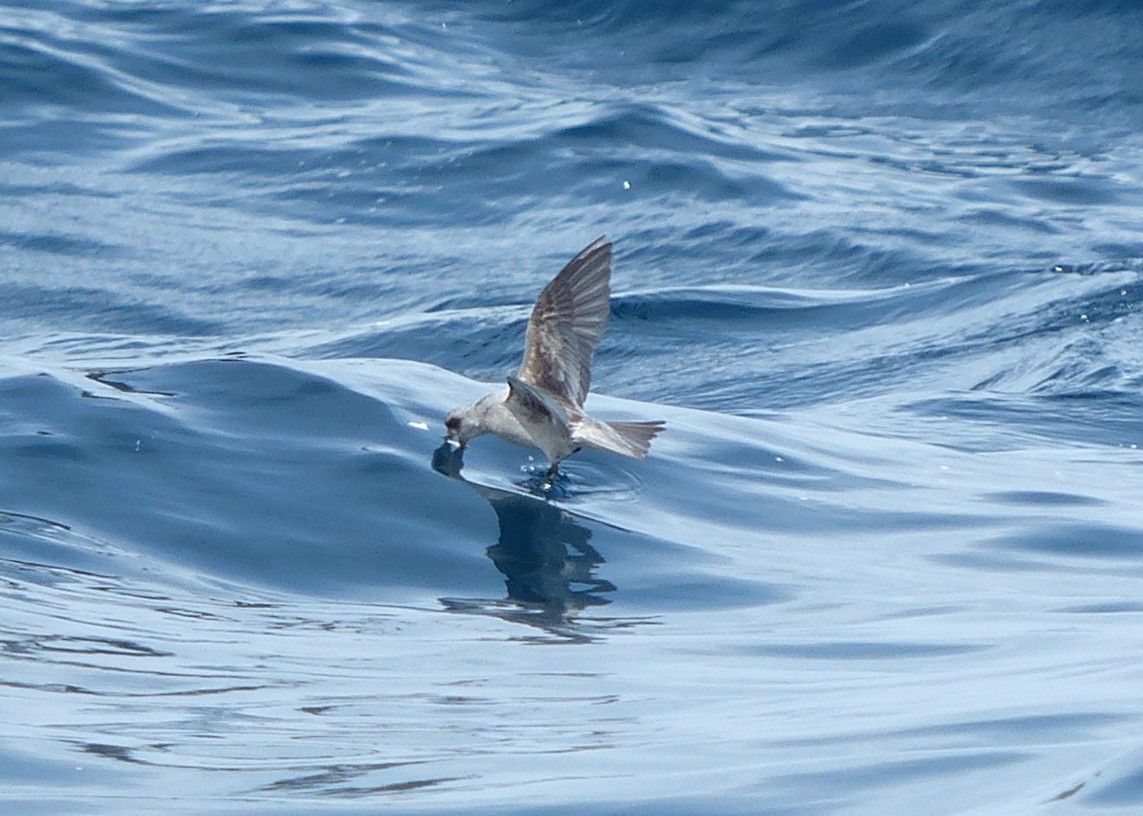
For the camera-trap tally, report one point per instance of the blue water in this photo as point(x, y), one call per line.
point(879, 265)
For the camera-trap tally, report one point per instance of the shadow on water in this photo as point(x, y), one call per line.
point(544, 554)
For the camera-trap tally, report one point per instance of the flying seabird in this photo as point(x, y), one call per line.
point(542, 407)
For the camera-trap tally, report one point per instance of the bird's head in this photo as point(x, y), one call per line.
point(460, 426)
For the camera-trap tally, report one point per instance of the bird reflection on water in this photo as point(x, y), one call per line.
point(544, 554)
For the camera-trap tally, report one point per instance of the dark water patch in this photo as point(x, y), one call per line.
point(686, 594)
point(993, 218)
point(874, 43)
point(53, 189)
point(1127, 247)
point(335, 71)
point(1043, 498)
point(1082, 192)
point(932, 57)
point(292, 52)
point(703, 181)
point(989, 562)
point(1106, 305)
point(37, 69)
point(847, 651)
point(1109, 608)
point(237, 390)
point(729, 38)
point(483, 346)
point(962, 58)
point(657, 130)
point(1107, 418)
point(46, 553)
point(59, 244)
point(97, 308)
point(60, 140)
point(79, 647)
point(1077, 541)
point(19, 768)
point(1123, 788)
point(234, 159)
point(1083, 376)
point(769, 309)
point(780, 360)
point(1030, 729)
point(1016, 730)
point(170, 501)
point(845, 782)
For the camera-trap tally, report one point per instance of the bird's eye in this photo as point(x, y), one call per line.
point(452, 423)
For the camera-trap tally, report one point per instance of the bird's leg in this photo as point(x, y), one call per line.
point(553, 471)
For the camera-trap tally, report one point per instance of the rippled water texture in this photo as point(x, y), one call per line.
point(877, 265)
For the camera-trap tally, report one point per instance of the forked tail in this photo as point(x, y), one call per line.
point(628, 438)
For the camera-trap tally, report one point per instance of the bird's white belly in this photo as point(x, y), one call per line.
point(504, 424)
point(550, 437)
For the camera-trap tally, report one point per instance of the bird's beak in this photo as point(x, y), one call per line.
point(453, 440)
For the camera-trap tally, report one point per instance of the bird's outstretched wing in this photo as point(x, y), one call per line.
point(530, 404)
point(566, 322)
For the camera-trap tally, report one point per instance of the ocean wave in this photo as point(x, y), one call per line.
point(876, 265)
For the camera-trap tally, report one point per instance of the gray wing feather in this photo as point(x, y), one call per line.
point(566, 323)
point(528, 399)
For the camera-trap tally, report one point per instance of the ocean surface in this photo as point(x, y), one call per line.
point(879, 266)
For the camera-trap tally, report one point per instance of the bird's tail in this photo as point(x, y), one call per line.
point(628, 438)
